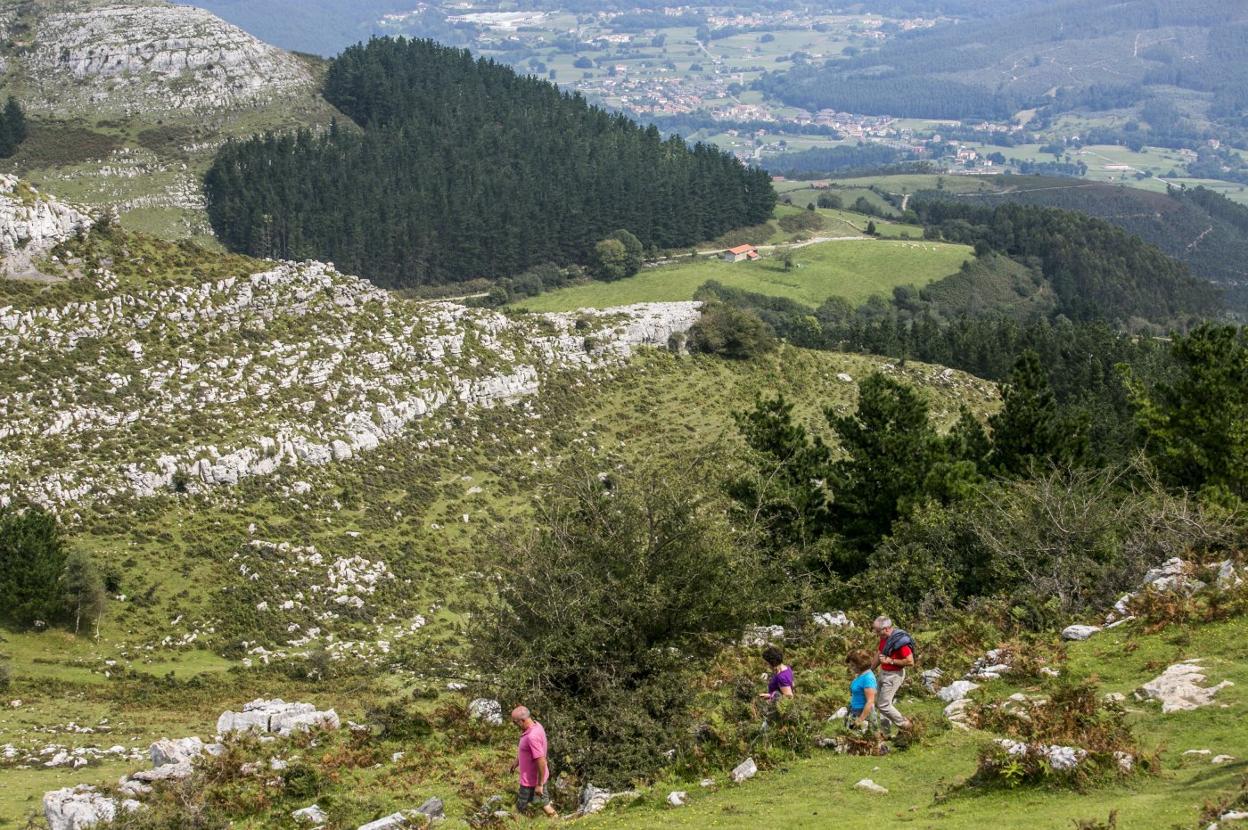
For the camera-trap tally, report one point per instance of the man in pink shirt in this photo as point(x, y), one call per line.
point(531, 761)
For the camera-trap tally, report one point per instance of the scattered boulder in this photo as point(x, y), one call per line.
point(1222, 759)
point(310, 815)
point(80, 807)
point(595, 799)
point(991, 666)
point(1172, 576)
point(957, 713)
point(276, 716)
point(1227, 578)
point(757, 636)
point(394, 821)
point(931, 679)
point(677, 799)
point(168, 772)
point(178, 751)
point(867, 785)
point(133, 788)
point(830, 619)
point(744, 771)
point(956, 690)
point(1079, 632)
point(707, 782)
point(1178, 688)
point(433, 808)
point(1058, 757)
point(485, 709)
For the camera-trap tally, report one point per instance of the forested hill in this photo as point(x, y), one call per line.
point(1200, 228)
point(1096, 270)
point(465, 169)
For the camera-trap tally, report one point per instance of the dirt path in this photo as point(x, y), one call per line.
point(818, 240)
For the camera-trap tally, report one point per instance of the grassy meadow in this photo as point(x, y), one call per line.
point(853, 269)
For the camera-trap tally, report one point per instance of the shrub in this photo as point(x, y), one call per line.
point(730, 332)
point(1063, 543)
point(394, 721)
point(601, 619)
point(302, 781)
point(807, 220)
point(6, 677)
point(1074, 718)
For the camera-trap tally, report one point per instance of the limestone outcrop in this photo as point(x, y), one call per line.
point(295, 366)
point(135, 58)
point(31, 225)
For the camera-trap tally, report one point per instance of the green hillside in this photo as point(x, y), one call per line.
point(428, 504)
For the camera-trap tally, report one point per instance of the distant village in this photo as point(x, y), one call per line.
point(631, 72)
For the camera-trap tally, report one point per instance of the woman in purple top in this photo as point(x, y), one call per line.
point(781, 683)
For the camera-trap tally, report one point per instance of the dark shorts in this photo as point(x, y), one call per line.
point(528, 797)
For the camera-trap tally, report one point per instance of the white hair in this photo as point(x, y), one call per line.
point(882, 623)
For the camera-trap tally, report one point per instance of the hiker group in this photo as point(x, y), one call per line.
point(871, 699)
point(871, 705)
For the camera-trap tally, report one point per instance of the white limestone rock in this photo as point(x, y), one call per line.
point(31, 225)
point(394, 821)
point(487, 710)
point(867, 785)
point(677, 799)
point(312, 814)
point(1079, 632)
point(168, 772)
point(595, 799)
point(957, 712)
point(758, 636)
point(1178, 688)
point(744, 771)
point(80, 807)
point(957, 690)
point(181, 750)
point(831, 619)
point(277, 716)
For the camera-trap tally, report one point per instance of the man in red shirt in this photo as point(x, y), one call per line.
point(531, 761)
point(894, 653)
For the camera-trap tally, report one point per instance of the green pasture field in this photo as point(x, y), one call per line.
point(855, 270)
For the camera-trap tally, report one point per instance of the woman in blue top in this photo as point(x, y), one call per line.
point(781, 683)
point(861, 691)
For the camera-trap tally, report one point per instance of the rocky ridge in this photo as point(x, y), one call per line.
point(125, 59)
point(152, 390)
